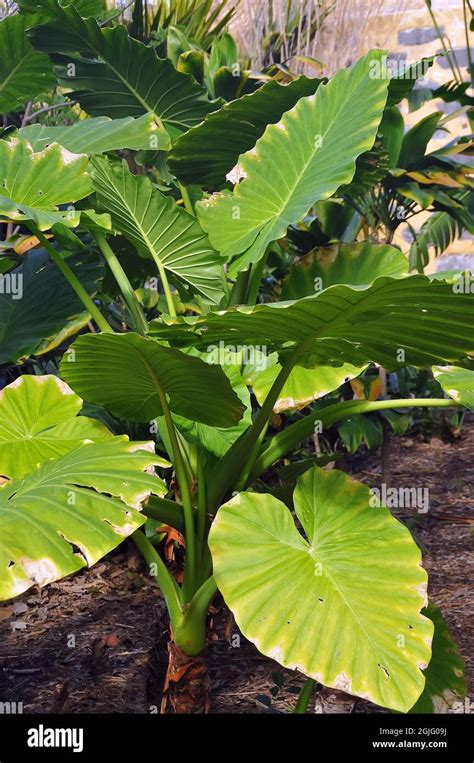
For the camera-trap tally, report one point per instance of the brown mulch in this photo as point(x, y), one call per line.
point(86, 644)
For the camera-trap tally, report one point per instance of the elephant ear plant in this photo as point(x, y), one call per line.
point(327, 585)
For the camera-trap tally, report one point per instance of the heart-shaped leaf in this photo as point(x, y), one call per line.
point(33, 185)
point(458, 383)
point(39, 421)
point(341, 605)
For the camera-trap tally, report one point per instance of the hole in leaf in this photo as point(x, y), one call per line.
point(386, 673)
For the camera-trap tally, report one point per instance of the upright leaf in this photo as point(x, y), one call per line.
point(25, 73)
point(341, 605)
point(158, 228)
point(205, 154)
point(300, 160)
point(112, 74)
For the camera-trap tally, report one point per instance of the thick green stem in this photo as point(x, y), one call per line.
point(165, 580)
point(239, 289)
point(288, 438)
point(72, 279)
point(202, 503)
point(305, 695)
point(165, 511)
point(190, 564)
point(164, 283)
point(188, 205)
point(139, 321)
point(256, 273)
point(190, 634)
point(227, 471)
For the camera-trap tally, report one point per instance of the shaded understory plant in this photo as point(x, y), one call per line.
point(159, 183)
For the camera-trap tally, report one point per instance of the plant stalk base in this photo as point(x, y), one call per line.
point(186, 688)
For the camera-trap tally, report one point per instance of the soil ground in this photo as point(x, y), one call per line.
point(88, 643)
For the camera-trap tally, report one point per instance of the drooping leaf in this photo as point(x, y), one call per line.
point(358, 264)
point(117, 76)
point(341, 605)
point(33, 185)
point(62, 517)
point(217, 440)
point(392, 322)
point(205, 154)
point(158, 228)
point(445, 681)
point(458, 383)
point(39, 421)
point(132, 373)
point(303, 158)
point(25, 73)
point(99, 134)
point(304, 385)
point(42, 309)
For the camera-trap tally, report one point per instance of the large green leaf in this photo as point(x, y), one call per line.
point(62, 517)
point(205, 154)
point(39, 421)
point(300, 160)
point(158, 228)
point(458, 383)
point(117, 76)
point(341, 605)
point(25, 73)
point(409, 321)
point(445, 681)
point(48, 310)
point(132, 374)
point(357, 264)
point(99, 134)
point(33, 185)
point(303, 385)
